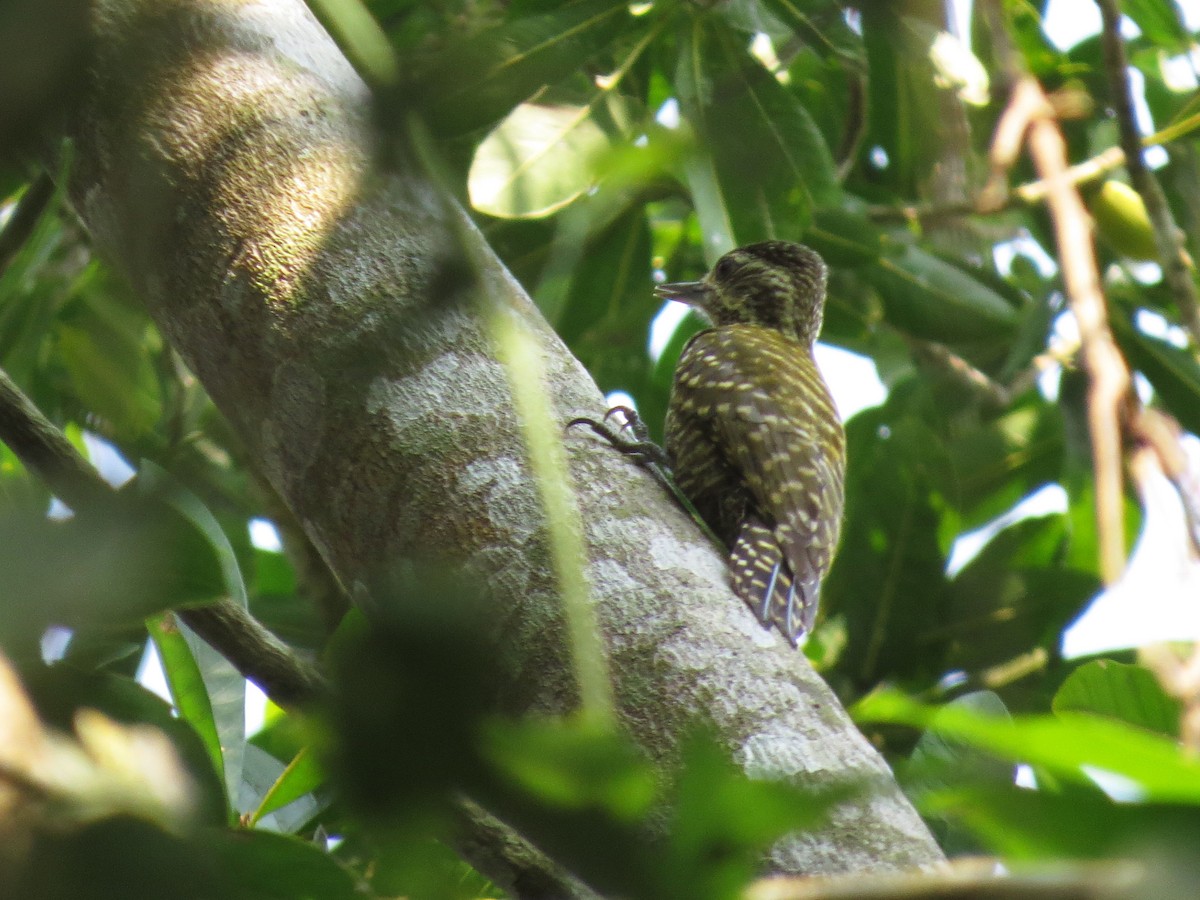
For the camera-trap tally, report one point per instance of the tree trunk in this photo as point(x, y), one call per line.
point(225, 163)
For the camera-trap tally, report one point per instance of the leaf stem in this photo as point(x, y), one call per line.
point(522, 359)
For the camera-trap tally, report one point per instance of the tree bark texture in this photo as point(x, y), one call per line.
point(226, 164)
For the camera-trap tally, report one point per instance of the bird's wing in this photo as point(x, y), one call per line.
point(700, 464)
point(757, 447)
point(784, 437)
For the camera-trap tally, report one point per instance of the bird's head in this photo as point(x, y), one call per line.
point(775, 284)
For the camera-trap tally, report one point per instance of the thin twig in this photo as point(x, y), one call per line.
point(1089, 170)
point(1161, 434)
point(1158, 432)
point(1110, 398)
point(1167, 237)
point(229, 628)
point(45, 450)
point(1180, 678)
point(992, 392)
point(1028, 194)
point(1108, 376)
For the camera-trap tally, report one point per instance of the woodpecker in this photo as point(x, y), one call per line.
point(752, 435)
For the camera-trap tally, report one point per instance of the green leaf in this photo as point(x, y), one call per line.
point(904, 106)
point(262, 865)
point(761, 165)
point(104, 349)
point(845, 238)
point(186, 682)
point(273, 573)
point(116, 857)
point(409, 864)
point(1160, 23)
point(812, 22)
point(103, 570)
point(227, 694)
point(720, 235)
point(1083, 551)
point(888, 583)
point(536, 161)
point(32, 287)
point(224, 684)
point(1022, 824)
point(303, 775)
point(995, 464)
point(723, 822)
point(476, 82)
point(938, 761)
point(157, 484)
point(422, 667)
point(937, 301)
point(1014, 596)
point(938, 764)
point(608, 308)
point(1123, 692)
point(275, 602)
point(611, 297)
point(125, 857)
point(1064, 743)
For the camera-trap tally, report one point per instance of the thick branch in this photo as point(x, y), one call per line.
point(230, 173)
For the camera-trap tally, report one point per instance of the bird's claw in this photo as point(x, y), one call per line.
point(641, 448)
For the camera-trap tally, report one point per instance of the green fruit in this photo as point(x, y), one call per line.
point(1122, 221)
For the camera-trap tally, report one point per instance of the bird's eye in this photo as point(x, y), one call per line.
point(726, 266)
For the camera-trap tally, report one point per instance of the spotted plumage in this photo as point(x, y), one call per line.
point(752, 435)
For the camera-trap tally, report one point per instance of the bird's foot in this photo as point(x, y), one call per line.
point(643, 450)
point(645, 453)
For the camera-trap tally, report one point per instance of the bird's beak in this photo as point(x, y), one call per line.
point(692, 293)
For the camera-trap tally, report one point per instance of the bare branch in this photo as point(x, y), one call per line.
point(1030, 113)
point(1108, 375)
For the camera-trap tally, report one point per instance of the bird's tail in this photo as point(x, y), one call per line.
point(763, 578)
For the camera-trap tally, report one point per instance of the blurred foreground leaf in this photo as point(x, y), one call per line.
point(1068, 744)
